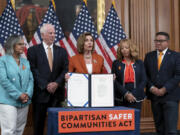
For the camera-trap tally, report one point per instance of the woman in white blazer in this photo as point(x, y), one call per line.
point(16, 87)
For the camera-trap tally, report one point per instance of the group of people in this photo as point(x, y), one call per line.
point(41, 78)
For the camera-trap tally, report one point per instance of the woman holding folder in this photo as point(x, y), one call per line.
point(85, 62)
point(130, 76)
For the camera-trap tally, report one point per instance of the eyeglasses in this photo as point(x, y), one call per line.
point(21, 44)
point(159, 41)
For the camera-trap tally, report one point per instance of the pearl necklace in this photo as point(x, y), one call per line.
point(87, 57)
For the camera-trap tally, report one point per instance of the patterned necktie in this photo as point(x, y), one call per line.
point(160, 59)
point(50, 60)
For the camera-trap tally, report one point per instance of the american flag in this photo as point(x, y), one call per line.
point(9, 26)
point(111, 34)
point(84, 23)
point(51, 18)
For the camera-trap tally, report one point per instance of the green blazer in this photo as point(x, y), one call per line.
point(15, 80)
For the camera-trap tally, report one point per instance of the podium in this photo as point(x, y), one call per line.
point(53, 121)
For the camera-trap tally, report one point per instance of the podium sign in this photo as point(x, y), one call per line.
point(93, 121)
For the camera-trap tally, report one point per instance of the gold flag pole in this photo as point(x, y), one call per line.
point(85, 1)
point(114, 4)
point(13, 4)
point(54, 4)
point(100, 14)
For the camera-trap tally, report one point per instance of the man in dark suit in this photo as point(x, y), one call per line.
point(49, 63)
point(163, 72)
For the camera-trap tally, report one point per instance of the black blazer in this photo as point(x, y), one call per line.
point(42, 74)
point(140, 79)
point(168, 76)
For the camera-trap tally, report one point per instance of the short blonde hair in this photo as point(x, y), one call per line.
point(81, 41)
point(133, 50)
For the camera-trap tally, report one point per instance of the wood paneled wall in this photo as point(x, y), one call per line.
point(2, 6)
point(141, 19)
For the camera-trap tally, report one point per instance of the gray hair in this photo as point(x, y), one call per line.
point(10, 43)
point(44, 27)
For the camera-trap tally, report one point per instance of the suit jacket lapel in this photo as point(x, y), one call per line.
point(83, 64)
point(155, 61)
point(42, 52)
point(43, 55)
point(19, 68)
point(21, 73)
point(94, 63)
point(165, 59)
point(14, 64)
point(55, 53)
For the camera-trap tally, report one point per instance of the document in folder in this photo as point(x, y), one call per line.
point(102, 93)
point(77, 94)
point(95, 90)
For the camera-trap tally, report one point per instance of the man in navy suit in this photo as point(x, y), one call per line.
point(49, 63)
point(163, 73)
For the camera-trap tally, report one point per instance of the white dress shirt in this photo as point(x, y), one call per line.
point(164, 52)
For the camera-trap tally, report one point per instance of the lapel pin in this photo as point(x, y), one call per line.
point(23, 67)
point(94, 61)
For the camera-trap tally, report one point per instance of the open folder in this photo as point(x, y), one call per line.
point(90, 90)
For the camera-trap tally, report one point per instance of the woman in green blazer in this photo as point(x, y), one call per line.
point(16, 87)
